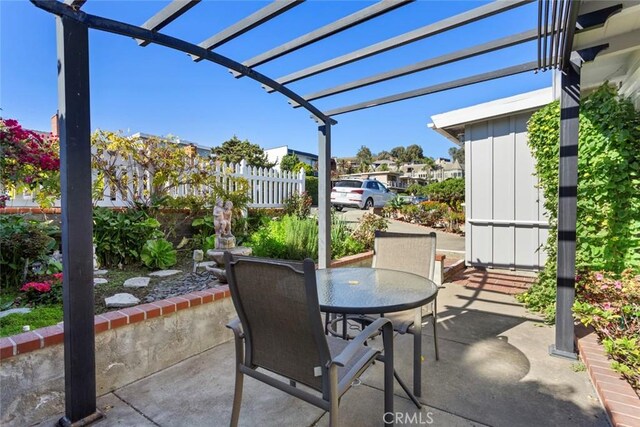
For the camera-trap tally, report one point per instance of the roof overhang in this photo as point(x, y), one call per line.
point(451, 124)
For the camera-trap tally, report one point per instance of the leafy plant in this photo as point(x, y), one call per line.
point(47, 292)
point(298, 204)
point(450, 191)
point(608, 226)
point(158, 253)
point(291, 237)
point(120, 235)
point(610, 303)
point(367, 227)
point(22, 241)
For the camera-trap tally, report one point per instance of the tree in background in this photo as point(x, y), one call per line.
point(384, 167)
point(288, 162)
point(457, 153)
point(413, 153)
point(365, 157)
point(308, 170)
point(399, 153)
point(234, 151)
point(383, 155)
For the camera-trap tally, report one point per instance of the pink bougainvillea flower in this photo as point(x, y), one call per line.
point(578, 277)
point(604, 287)
point(58, 276)
point(606, 306)
point(618, 284)
point(599, 276)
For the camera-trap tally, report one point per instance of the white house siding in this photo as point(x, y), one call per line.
point(506, 224)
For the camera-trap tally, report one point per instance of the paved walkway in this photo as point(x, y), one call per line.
point(493, 370)
point(449, 243)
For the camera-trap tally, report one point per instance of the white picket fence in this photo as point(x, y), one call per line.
point(268, 188)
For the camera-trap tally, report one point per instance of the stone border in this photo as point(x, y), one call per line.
point(52, 335)
point(617, 396)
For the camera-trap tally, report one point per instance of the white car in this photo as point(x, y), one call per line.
point(361, 193)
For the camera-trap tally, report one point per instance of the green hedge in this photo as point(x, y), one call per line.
point(608, 230)
point(311, 187)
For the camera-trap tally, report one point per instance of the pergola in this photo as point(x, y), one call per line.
point(558, 21)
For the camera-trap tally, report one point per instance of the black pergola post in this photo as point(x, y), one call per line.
point(77, 225)
point(324, 195)
point(567, 202)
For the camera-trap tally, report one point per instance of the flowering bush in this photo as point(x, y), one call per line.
point(29, 161)
point(47, 292)
point(365, 232)
point(298, 205)
point(611, 304)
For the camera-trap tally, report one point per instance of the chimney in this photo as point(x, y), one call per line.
point(54, 124)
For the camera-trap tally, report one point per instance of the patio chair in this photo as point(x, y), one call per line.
point(279, 329)
point(412, 253)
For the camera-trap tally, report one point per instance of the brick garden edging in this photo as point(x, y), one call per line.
point(620, 401)
point(52, 335)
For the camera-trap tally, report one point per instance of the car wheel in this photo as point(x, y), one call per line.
point(338, 208)
point(368, 204)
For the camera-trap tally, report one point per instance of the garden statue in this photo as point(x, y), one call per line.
point(222, 225)
point(225, 241)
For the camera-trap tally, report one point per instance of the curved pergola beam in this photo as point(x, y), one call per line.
point(124, 29)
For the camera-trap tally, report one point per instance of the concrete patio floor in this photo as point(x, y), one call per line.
point(493, 370)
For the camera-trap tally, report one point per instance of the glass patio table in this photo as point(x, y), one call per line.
point(362, 291)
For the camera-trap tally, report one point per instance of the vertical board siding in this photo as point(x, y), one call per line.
point(506, 223)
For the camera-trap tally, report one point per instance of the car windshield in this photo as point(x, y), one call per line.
point(349, 184)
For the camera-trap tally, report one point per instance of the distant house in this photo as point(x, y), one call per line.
point(276, 154)
point(446, 169)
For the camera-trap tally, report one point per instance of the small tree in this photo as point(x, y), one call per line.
point(289, 162)
point(234, 151)
point(28, 161)
point(365, 157)
point(457, 153)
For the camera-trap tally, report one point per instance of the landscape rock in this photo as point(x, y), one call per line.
point(165, 273)
point(137, 282)
point(218, 255)
point(219, 274)
point(121, 300)
point(100, 272)
point(21, 310)
point(99, 281)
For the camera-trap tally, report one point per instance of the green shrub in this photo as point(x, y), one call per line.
point(608, 226)
point(365, 232)
point(298, 204)
point(611, 304)
point(291, 237)
point(120, 235)
point(158, 253)
point(311, 188)
point(21, 243)
point(450, 191)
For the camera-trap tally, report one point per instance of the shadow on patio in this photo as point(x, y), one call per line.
point(494, 369)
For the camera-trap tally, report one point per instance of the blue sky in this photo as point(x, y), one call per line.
point(159, 91)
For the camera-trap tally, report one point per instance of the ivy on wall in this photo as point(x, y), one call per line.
point(608, 228)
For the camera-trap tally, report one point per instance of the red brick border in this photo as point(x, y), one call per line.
point(618, 398)
point(351, 259)
point(51, 335)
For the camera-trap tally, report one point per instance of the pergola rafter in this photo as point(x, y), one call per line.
point(557, 23)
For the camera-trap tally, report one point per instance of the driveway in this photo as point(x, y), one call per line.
point(451, 244)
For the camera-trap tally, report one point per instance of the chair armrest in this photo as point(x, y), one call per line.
point(354, 345)
point(236, 326)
